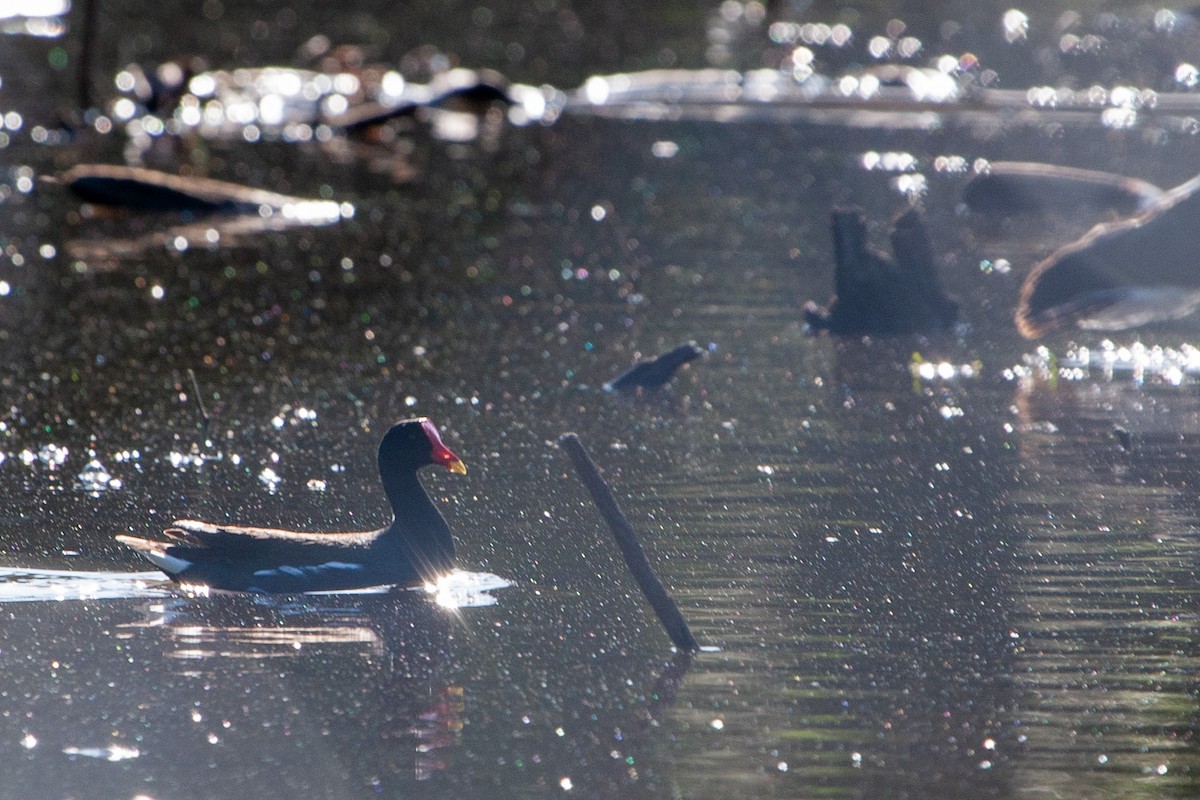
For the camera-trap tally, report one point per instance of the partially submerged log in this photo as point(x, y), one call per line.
point(366, 116)
point(458, 89)
point(1025, 187)
point(1120, 274)
point(653, 374)
point(471, 90)
point(460, 93)
point(881, 294)
point(631, 549)
point(150, 190)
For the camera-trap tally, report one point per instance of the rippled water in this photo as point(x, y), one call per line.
point(953, 566)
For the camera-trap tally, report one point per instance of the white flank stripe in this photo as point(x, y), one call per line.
point(312, 569)
point(168, 564)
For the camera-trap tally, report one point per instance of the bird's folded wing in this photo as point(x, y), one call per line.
point(195, 532)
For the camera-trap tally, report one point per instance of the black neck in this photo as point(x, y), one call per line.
point(416, 520)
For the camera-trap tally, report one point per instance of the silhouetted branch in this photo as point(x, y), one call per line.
point(627, 540)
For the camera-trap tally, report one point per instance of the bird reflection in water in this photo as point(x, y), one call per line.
point(373, 616)
point(397, 645)
point(438, 727)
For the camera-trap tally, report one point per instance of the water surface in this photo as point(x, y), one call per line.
point(978, 584)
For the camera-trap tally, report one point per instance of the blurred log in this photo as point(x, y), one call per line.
point(1023, 187)
point(1120, 274)
point(150, 190)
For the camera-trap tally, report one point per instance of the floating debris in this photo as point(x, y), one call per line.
point(878, 294)
point(1124, 438)
point(883, 95)
point(655, 373)
point(208, 233)
point(229, 214)
point(199, 396)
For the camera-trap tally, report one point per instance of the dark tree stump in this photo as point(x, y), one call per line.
point(880, 294)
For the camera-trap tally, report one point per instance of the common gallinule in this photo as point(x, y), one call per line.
point(416, 547)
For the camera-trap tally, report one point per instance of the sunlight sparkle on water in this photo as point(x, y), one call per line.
point(928, 371)
point(194, 459)
point(1016, 25)
point(270, 479)
point(316, 212)
point(51, 456)
point(932, 85)
point(1166, 365)
point(596, 90)
point(94, 479)
point(951, 163)
point(888, 161)
point(462, 589)
point(911, 186)
point(113, 752)
point(19, 585)
point(664, 149)
point(33, 8)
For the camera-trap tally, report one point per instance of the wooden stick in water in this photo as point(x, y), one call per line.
point(631, 549)
point(199, 399)
point(87, 48)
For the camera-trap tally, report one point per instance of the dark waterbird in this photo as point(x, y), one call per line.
point(653, 374)
point(881, 294)
point(1120, 274)
point(414, 549)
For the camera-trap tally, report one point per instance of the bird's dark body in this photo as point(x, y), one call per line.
point(415, 548)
